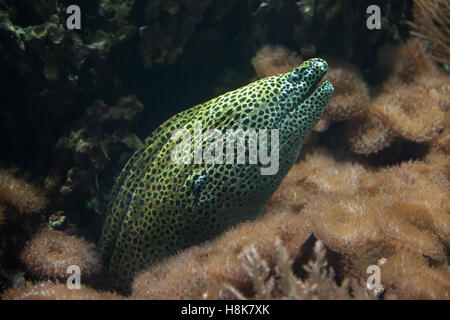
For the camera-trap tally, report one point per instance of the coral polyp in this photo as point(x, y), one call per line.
point(50, 253)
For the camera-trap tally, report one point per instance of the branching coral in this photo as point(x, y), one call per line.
point(281, 283)
point(271, 60)
point(411, 105)
point(46, 290)
point(50, 253)
point(432, 24)
point(20, 193)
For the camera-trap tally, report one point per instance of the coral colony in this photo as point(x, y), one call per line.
point(360, 213)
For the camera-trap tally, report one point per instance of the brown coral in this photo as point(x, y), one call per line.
point(20, 193)
point(411, 105)
point(319, 173)
point(441, 143)
point(350, 97)
point(369, 134)
point(366, 215)
point(46, 290)
point(412, 112)
point(201, 271)
point(352, 210)
point(271, 60)
point(50, 253)
point(410, 276)
point(353, 224)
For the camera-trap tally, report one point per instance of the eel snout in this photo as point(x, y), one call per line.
point(303, 81)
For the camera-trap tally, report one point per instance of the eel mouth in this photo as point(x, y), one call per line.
point(304, 80)
point(316, 86)
point(324, 87)
point(313, 74)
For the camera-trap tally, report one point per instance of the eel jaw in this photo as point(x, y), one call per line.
point(306, 94)
point(318, 91)
point(303, 81)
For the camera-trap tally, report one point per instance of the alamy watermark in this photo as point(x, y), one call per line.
point(257, 141)
point(74, 280)
point(74, 20)
point(373, 282)
point(374, 19)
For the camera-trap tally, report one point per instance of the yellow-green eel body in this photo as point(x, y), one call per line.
point(160, 206)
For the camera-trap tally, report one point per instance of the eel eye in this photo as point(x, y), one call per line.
point(198, 188)
point(198, 184)
point(294, 77)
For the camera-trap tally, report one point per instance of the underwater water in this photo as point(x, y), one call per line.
point(258, 149)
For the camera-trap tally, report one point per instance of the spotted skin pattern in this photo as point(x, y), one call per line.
point(159, 207)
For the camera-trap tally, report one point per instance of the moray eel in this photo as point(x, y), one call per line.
point(159, 206)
